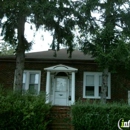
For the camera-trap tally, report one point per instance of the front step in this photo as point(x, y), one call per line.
point(61, 118)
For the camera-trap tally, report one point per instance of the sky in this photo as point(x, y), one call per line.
point(42, 39)
point(39, 43)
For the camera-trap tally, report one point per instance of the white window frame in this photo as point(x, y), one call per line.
point(28, 72)
point(96, 85)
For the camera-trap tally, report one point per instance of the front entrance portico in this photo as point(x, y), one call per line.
point(60, 85)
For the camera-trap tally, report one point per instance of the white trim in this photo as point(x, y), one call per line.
point(61, 68)
point(48, 87)
point(73, 88)
point(71, 81)
point(28, 72)
point(96, 84)
point(67, 91)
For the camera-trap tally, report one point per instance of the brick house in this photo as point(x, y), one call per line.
point(64, 79)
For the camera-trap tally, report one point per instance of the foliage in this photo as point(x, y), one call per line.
point(105, 34)
point(52, 15)
point(6, 49)
point(24, 112)
point(119, 55)
point(104, 29)
point(95, 116)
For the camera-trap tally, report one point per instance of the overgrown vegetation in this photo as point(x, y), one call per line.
point(23, 112)
point(95, 116)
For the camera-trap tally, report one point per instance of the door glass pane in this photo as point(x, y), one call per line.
point(61, 84)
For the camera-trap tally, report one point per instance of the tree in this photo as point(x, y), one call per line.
point(6, 49)
point(105, 29)
point(55, 15)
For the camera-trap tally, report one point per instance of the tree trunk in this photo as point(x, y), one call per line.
point(20, 55)
point(104, 86)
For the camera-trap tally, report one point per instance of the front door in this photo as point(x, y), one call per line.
point(61, 91)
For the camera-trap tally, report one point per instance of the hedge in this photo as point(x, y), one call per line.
point(23, 112)
point(96, 116)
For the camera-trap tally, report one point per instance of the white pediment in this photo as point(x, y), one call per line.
point(61, 68)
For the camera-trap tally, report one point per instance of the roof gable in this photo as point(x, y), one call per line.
point(61, 67)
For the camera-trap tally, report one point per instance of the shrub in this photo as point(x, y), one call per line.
point(96, 116)
point(23, 112)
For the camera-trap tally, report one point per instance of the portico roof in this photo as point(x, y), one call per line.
point(61, 67)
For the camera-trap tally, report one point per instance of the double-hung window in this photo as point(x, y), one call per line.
point(92, 85)
point(31, 82)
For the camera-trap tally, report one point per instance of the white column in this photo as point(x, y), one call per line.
point(47, 87)
point(73, 88)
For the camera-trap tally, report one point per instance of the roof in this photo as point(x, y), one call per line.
point(60, 55)
point(49, 55)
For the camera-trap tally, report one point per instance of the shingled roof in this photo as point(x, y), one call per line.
point(49, 55)
point(60, 55)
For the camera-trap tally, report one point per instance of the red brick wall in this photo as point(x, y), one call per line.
point(7, 70)
point(118, 90)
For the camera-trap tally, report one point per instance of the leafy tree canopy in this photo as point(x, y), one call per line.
point(55, 15)
point(105, 30)
point(6, 49)
point(105, 33)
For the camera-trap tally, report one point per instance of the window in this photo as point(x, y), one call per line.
point(92, 85)
point(31, 81)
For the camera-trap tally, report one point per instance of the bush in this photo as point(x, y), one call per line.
point(23, 112)
point(96, 116)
